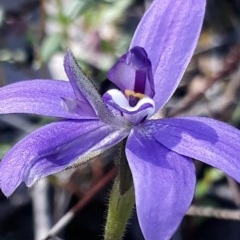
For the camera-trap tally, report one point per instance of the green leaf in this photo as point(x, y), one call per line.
point(50, 45)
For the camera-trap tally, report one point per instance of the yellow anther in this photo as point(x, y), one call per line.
point(129, 93)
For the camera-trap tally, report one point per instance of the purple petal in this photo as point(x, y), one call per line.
point(52, 148)
point(133, 71)
point(208, 140)
point(164, 185)
point(43, 97)
point(79, 107)
point(168, 32)
point(81, 84)
point(84, 89)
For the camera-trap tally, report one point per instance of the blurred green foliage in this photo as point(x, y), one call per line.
point(3, 149)
point(83, 16)
point(211, 175)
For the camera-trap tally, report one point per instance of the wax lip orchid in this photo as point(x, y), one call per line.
point(159, 151)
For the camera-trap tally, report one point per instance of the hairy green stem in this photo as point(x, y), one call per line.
point(119, 211)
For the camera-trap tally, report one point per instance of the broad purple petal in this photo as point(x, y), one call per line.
point(168, 32)
point(54, 147)
point(164, 185)
point(43, 97)
point(205, 139)
point(133, 71)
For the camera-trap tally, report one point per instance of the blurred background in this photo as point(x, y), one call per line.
point(34, 36)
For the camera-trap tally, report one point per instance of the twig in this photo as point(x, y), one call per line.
point(234, 187)
point(42, 218)
point(75, 209)
point(214, 213)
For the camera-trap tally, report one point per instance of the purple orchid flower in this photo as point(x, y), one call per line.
point(159, 151)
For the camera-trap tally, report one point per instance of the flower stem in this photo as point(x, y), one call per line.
point(119, 211)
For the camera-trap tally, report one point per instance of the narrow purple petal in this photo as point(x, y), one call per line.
point(79, 107)
point(43, 97)
point(205, 139)
point(52, 148)
point(85, 89)
point(164, 185)
point(168, 32)
point(81, 84)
